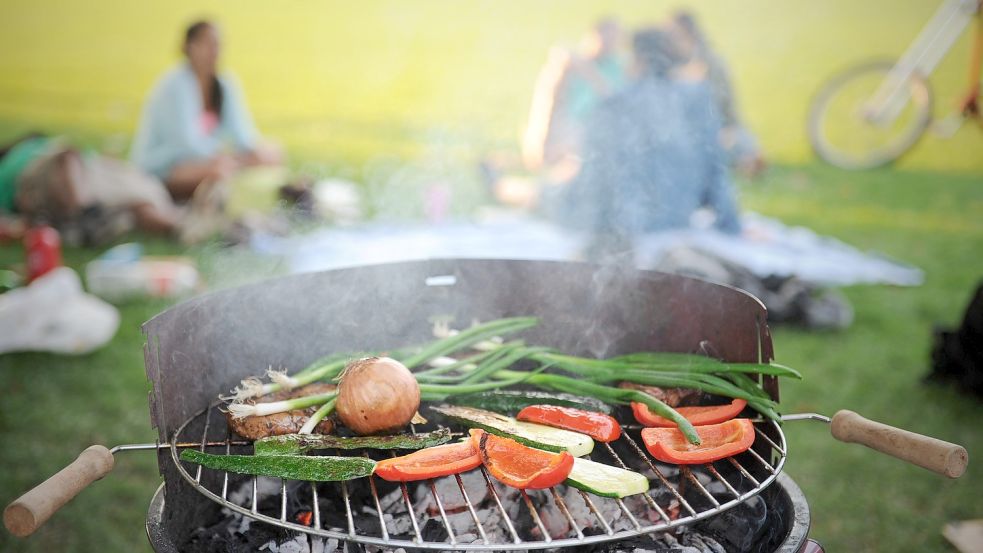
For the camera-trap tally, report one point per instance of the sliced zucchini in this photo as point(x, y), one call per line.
point(513, 401)
point(292, 467)
point(605, 480)
point(527, 433)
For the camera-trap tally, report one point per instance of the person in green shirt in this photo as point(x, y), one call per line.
point(13, 160)
point(90, 198)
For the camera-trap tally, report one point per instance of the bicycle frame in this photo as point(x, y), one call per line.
point(920, 59)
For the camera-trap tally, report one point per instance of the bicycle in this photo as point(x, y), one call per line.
point(871, 114)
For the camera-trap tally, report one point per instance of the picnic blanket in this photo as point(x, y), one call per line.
point(766, 248)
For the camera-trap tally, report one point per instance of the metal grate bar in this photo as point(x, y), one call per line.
point(474, 514)
point(658, 473)
point(443, 515)
point(225, 475)
point(315, 506)
point(498, 502)
point(535, 516)
point(597, 514)
point(283, 500)
point(348, 508)
point(255, 497)
point(631, 517)
point(722, 480)
point(648, 499)
point(204, 438)
point(411, 513)
point(762, 461)
point(566, 513)
point(775, 446)
point(378, 507)
point(688, 473)
point(744, 471)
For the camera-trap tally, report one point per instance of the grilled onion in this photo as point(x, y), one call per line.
point(377, 394)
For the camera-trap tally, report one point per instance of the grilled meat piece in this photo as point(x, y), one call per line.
point(673, 397)
point(290, 422)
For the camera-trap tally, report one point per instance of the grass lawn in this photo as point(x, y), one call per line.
point(53, 407)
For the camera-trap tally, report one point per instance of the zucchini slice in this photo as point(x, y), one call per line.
point(526, 433)
point(292, 467)
point(605, 480)
point(513, 401)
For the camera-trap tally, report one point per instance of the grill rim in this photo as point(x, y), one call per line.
point(781, 448)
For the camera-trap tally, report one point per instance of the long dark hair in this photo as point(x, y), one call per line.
point(192, 33)
point(654, 52)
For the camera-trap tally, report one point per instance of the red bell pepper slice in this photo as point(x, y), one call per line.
point(599, 426)
point(431, 462)
point(519, 466)
point(718, 442)
point(699, 416)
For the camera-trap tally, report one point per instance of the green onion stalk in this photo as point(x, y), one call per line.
point(490, 367)
point(242, 410)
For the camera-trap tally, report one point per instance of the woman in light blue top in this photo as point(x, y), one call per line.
point(196, 127)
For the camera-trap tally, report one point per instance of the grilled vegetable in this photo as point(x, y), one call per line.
point(513, 401)
point(601, 427)
point(296, 444)
point(430, 463)
point(718, 442)
point(519, 466)
point(288, 421)
point(377, 394)
point(530, 434)
point(698, 416)
point(605, 480)
point(292, 467)
point(486, 367)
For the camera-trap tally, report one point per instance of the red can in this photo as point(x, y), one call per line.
point(43, 247)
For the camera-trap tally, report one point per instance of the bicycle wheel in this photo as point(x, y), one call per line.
point(865, 117)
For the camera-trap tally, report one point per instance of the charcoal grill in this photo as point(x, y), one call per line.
point(207, 345)
point(742, 477)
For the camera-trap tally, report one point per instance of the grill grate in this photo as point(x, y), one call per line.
point(741, 477)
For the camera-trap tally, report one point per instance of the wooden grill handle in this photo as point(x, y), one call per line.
point(28, 512)
point(939, 456)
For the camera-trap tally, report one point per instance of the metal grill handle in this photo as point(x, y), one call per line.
point(28, 512)
point(939, 456)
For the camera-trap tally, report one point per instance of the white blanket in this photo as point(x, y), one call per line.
point(767, 248)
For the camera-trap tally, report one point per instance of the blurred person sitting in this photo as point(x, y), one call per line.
point(568, 88)
point(89, 198)
point(703, 64)
point(651, 155)
point(196, 127)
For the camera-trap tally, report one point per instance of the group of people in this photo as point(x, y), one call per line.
point(195, 134)
point(625, 146)
point(619, 146)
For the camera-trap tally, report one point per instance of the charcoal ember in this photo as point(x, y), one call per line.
point(556, 524)
point(494, 524)
point(398, 525)
point(298, 544)
point(738, 529)
point(585, 519)
point(228, 533)
point(433, 530)
point(450, 494)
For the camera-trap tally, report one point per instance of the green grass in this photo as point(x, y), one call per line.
point(53, 407)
